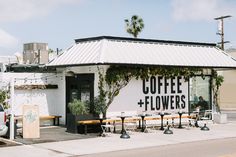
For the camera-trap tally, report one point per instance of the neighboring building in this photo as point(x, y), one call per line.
point(35, 53)
point(7, 60)
point(228, 88)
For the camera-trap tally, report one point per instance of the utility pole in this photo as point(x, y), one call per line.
point(221, 29)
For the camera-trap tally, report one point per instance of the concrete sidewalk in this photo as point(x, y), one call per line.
point(114, 143)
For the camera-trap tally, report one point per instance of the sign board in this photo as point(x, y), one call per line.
point(155, 94)
point(31, 121)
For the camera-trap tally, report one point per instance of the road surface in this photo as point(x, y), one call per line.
point(211, 148)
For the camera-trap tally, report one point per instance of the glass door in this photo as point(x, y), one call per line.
point(81, 87)
point(200, 93)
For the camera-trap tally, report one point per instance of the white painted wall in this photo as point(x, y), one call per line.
point(129, 96)
point(50, 101)
point(53, 101)
point(127, 100)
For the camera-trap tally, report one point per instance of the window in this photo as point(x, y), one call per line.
point(200, 96)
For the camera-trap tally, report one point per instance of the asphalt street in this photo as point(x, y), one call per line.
point(210, 148)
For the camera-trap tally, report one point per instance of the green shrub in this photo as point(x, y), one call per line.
point(4, 97)
point(99, 106)
point(78, 107)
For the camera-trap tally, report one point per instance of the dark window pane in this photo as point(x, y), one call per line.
point(1, 108)
point(200, 93)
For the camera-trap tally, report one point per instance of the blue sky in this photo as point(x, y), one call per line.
point(59, 22)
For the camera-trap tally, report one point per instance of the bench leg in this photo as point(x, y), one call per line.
point(58, 122)
point(85, 129)
point(114, 130)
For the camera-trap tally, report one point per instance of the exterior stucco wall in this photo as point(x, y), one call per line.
point(228, 89)
point(156, 94)
point(50, 101)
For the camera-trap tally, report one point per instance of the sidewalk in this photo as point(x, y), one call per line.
point(114, 143)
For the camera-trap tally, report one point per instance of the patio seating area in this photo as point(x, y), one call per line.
point(143, 123)
point(53, 134)
point(113, 126)
point(147, 122)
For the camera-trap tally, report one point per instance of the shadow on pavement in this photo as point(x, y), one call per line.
point(54, 134)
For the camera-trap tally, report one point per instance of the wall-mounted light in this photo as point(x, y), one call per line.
point(71, 73)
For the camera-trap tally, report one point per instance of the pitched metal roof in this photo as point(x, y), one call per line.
point(8, 59)
point(117, 50)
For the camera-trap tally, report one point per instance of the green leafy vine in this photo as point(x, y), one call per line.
point(4, 98)
point(100, 101)
point(118, 76)
point(217, 81)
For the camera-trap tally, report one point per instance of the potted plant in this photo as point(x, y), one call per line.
point(218, 116)
point(79, 111)
point(99, 107)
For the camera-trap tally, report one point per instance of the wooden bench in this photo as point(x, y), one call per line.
point(127, 120)
point(55, 118)
point(85, 123)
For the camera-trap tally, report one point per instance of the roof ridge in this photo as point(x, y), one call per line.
point(144, 40)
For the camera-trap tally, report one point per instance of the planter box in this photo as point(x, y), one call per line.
point(73, 127)
point(220, 118)
point(71, 123)
point(89, 128)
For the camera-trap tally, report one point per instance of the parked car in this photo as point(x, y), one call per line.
point(3, 127)
point(2, 115)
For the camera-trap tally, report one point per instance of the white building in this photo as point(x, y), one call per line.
point(6, 60)
point(87, 55)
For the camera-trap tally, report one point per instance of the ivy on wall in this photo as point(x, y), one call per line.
point(118, 76)
point(216, 82)
point(4, 98)
point(100, 105)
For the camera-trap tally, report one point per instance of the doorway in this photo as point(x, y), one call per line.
point(81, 87)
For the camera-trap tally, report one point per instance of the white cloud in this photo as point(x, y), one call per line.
point(23, 10)
point(7, 40)
point(195, 10)
point(18, 10)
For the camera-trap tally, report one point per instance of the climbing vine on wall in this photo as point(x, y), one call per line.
point(216, 82)
point(99, 103)
point(118, 76)
point(4, 98)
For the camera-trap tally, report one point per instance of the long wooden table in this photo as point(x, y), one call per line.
point(127, 120)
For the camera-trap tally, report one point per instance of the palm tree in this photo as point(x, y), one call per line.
point(135, 26)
